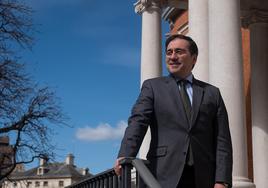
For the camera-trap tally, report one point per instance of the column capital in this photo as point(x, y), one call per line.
point(143, 5)
point(253, 16)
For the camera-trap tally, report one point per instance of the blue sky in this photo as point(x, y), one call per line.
point(89, 53)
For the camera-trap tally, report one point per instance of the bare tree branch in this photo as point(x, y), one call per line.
point(15, 25)
point(27, 112)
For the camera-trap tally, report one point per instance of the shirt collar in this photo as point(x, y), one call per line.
point(189, 78)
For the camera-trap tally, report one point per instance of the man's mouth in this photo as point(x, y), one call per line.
point(174, 63)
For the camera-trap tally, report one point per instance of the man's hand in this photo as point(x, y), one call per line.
point(219, 185)
point(118, 167)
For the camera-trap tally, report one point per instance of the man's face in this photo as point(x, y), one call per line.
point(179, 60)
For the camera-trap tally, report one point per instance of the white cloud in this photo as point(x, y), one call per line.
point(103, 131)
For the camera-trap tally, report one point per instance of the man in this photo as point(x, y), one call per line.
point(190, 138)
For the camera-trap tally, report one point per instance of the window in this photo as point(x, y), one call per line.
point(37, 184)
point(29, 184)
point(39, 171)
point(61, 183)
point(45, 184)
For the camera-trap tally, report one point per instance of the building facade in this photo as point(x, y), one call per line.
point(47, 175)
point(232, 37)
point(6, 155)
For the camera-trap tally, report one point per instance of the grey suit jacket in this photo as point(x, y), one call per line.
point(159, 106)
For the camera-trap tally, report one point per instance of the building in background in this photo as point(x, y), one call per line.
point(47, 175)
point(232, 37)
point(6, 155)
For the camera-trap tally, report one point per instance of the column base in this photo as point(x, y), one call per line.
point(241, 182)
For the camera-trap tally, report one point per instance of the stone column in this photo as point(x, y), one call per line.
point(258, 25)
point(151, 65)
point(198, 30)
point(225, 71)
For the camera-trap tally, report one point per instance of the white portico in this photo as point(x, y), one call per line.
point(216, 27)
point(256, 21)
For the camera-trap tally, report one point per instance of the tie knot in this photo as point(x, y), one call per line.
point(183, 82)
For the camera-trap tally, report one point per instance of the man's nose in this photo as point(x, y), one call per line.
point(173, 56)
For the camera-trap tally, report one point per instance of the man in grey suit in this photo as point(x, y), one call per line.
point(190, 137)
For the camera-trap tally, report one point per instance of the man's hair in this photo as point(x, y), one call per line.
point(192, 45)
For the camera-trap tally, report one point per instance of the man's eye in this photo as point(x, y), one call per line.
point(178, 51)
point(169, 52)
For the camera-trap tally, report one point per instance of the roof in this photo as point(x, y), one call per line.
point(52, 171)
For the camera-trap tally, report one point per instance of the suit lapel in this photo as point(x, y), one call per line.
point(198, 93)
point(174, 92)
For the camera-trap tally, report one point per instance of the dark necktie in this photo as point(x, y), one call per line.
point(188, 109)
point(185, 99)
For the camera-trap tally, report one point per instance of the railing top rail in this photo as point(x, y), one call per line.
point(143, 171)
point(109, 172)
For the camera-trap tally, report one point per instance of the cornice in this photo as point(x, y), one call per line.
point(253, 16)
point(145, 5)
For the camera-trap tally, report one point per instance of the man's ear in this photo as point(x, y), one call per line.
point(194, 60)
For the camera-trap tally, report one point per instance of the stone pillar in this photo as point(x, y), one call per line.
point(258, 25)
point(226, 72)
point(151, 65)
point(198, 30)
point(259, 59)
